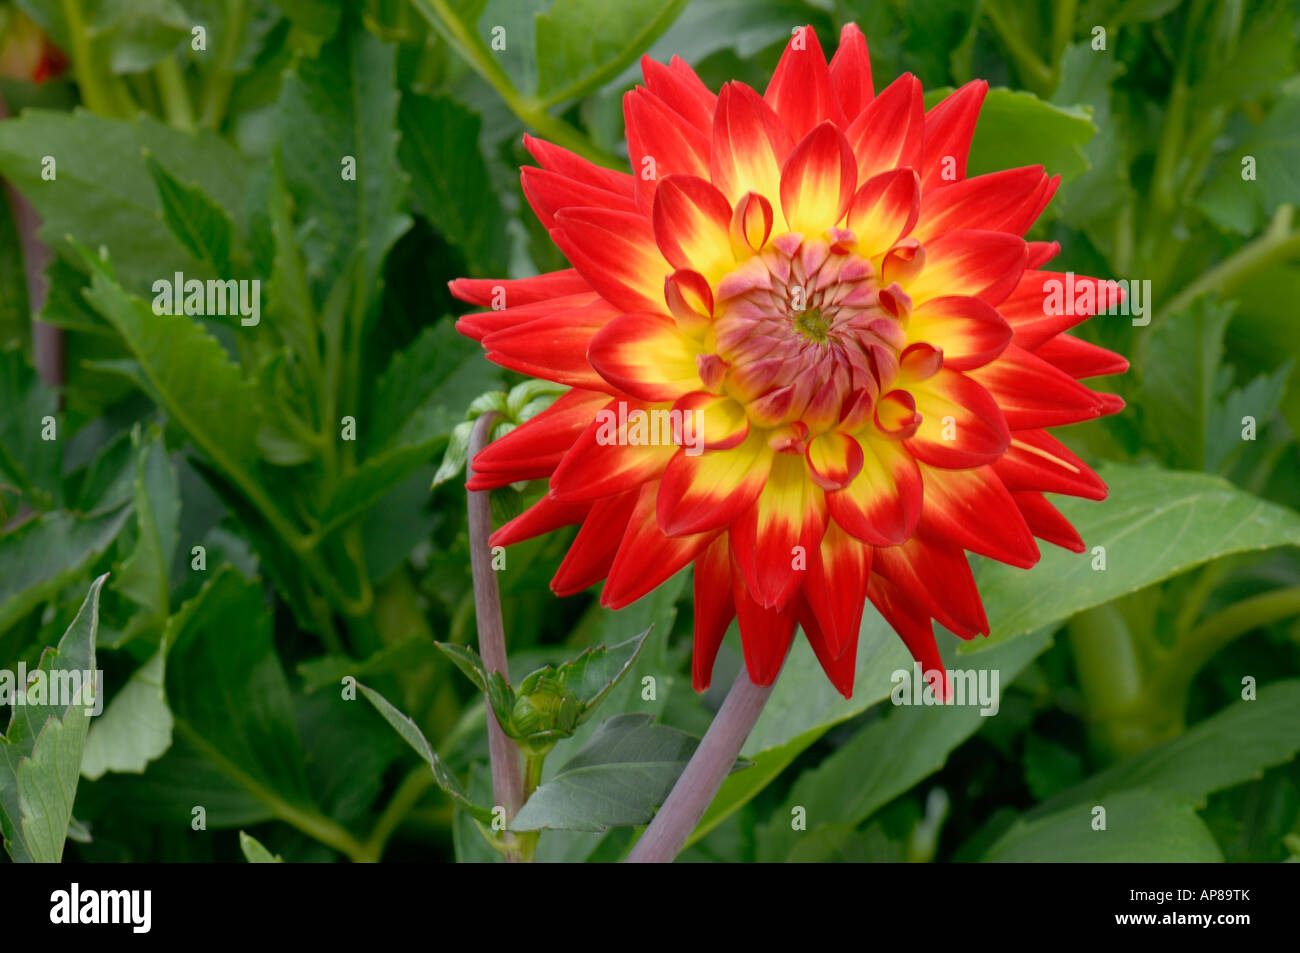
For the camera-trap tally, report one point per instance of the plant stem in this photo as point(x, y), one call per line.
point(1275, 245)
point(704, 774)
point(175, 97)
point(217, 94)
point(529, 110)
point(408, 794)
point(507, 779)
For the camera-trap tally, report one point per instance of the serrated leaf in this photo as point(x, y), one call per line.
point(415, 738)
point(594, 673)
point(450, 181)
point(467, 660)
point(40, 755)
point(48, 553)
point(343, 105)
point(196, 221)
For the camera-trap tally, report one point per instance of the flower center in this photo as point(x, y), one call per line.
point(805, 333)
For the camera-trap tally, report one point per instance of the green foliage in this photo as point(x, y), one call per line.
point(266, 513)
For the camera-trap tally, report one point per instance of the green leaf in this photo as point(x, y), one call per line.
point(135, 728)
point(1180, 363)
point(40, 756)
point(229, 695)
point(417, 402)
point(468, 661)
point(187, 373)
point(450, 181)
point(200, 225)
point(1018, 129)
point(1145, 527)
point(255, 853)
point(583, 43)
point(593, 674)
point(47, 553)
point(103, 194)
point(906, 745)
point(315, 16)
point(1141, 826)
point(1154, 525)
point(145, 575)
point(618, 779)
point(415, 738)
point(29, 464)
point(340, 106)
point(1241, 204)
point(1224, 750)
point(15, 311)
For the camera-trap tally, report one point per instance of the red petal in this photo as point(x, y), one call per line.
point(692, 224)
point(970, 262)
point(840, 669)
point(884, 210)
point(1046, 522)
point(936, 577)
point(817, 181)
point(655, 132)
point(882, 505)
point(534, 448)
point(836, 588)
point(712, 490)
point(1034, 394)
point(646, 557)
point(554, 348)
point(542, 517)
point(800, 89)
point(996, 202)
point(548, 192)
point(571, 165)
point(482, 323)
point(851, 72)
point(790, 512)
point(890, 132)
point(911, 622)
point(1037, 461)
point(961, 424)
point(502, 293)
point(592, 552)
point(715, 607)
point(750, 144)
point(646, 355)
point(1045, 303)
point(969, 331)
point(949, 127)
point(681, 91)
point(602, 462)
point(973, 509)
point(616, 253)
point(765, 634)
point(1079, 358)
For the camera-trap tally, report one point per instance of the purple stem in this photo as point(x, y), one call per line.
point(704, 774)
point(507, 776)
point(47, 340)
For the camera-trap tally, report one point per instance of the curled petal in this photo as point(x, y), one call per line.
point(884, 210)
point(834, 459)
point(751, 224)
point(882, 505)
point(817, 181)
point(690, 300)
point(969, 331)
point(692, 223)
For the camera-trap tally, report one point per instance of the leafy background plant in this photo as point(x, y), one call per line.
point(323, 559)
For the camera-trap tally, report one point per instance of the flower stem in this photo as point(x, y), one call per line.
point(507, 779)
point(704, 773)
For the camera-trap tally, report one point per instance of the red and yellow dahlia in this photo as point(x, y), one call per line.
point(856, 329)
point(25, 50)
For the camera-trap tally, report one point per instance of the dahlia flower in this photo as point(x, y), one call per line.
point(852, 336)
